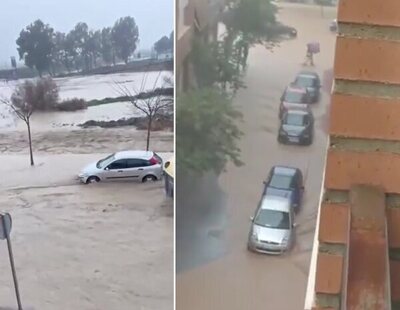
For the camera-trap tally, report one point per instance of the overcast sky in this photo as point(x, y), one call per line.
point(153, 17)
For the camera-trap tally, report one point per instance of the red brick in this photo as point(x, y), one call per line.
point(347, 168)
point(377, 118)
point(334, 223)
point(395, 280)
point(374, 12)
point(393, 223)
point(367, 60)
point(329, 274)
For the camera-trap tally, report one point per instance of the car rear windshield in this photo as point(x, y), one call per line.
point(306, 81)
point(281, 181)
point(295, 119)
point(272, 219)
point(294, 97)
point(105, 161)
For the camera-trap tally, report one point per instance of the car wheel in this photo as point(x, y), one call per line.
point(149, 177)
point(92, 179)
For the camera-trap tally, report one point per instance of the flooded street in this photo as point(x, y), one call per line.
point(225, 275)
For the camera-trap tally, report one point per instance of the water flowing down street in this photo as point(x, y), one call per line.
point(215, 269)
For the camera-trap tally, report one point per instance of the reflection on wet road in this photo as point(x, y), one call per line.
point(215, 270)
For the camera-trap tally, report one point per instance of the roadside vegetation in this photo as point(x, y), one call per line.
point(207, 132)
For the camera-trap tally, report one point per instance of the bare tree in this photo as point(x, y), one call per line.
point(150, 101)
point(29, 97)
point(24, 111)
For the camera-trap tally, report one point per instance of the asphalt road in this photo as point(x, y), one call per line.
point(215, 270)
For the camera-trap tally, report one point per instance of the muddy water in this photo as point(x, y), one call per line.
point(87, 87)
point(235, 278)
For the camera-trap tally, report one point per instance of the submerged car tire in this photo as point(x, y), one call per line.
point(149, 177)
point(92, 179)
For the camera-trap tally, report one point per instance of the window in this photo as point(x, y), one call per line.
point(272, 219)
point(136, 163)
point(104, 162)
point(119, 164)
point(295, 119)
point(281, 181)
point(294, 97)
point(306, 81)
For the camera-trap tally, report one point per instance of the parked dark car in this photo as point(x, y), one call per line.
point(297, 127)
point(309, 80)
point(294, 98)
point(285, 182)
point(283, 30)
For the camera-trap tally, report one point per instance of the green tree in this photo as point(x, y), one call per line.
point(93, 47)
point(107, 49)
point(163, 45)
point(35, 46)
point(206, 130)
point(125, 36)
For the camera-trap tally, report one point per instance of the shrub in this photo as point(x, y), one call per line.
point(40, 94)
point(74, 104)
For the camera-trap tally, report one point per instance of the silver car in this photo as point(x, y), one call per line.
point(126, 165)
point(272, 229)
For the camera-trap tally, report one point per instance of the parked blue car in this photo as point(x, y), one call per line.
point(286, 182)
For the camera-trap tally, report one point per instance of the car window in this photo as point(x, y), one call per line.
point(105, 161)
point(295, 119)
point(136, 162)
point(306, 81)
point(118, 164)
point(281, 181)
point(294, 97)
point(272, 219)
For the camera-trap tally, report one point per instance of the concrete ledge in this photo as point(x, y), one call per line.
point(366, 89)
point(364, 145)
point(336, 196)
point(369, 32)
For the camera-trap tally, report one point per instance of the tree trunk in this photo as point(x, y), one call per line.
point(150, 121)
point(28, 124)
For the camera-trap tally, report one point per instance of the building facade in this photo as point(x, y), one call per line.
point(356, 256)
point(194, 19)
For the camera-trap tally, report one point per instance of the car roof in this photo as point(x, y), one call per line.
point(309, 74)
point(296, 89)
point(134, 154)
point(285, 170)
point(275, 203)
point(300, 112)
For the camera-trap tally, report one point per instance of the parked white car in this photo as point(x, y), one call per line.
point(127, 165)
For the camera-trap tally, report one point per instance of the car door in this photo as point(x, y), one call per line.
point(136, 168)
point(116, 170)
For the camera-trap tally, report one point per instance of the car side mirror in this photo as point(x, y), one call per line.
point(106, 168)
point(294, 225)
point(251, 218)
point(265, 182)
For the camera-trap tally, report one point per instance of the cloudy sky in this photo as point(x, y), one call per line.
point(153, 17)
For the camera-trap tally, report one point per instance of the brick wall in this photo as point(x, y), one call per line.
point(364, 138)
